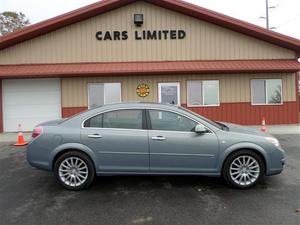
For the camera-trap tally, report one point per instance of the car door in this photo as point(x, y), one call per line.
point(119, 139)
point(176, 148)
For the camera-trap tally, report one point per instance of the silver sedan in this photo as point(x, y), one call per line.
point(151, 139)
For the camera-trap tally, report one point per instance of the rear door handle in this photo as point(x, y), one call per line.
point(95, 136)
point(159, 138)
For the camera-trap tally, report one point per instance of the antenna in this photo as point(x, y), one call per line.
point(267, 15)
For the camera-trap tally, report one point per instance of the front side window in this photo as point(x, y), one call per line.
point(169, 121)
point(124, 119)
point(106, 93)
point(266, 91)
point(203, 93)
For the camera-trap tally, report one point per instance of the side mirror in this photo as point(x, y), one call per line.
point(200, 129)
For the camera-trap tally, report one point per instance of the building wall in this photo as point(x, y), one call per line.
point(235, 96)
point(204, 41)
point(234, 88)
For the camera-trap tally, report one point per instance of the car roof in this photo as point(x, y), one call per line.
point(138, 104)
point(128, 105)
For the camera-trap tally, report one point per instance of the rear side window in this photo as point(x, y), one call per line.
point(95, 122)
point(124, 119)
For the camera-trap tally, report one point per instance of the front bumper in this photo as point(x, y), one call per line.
point(277, 162)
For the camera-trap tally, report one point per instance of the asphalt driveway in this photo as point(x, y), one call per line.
point(29, 196)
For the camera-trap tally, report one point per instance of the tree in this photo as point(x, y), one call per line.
point(12, 21)
point(276, 97)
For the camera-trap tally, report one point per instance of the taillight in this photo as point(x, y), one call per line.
point(37, 131)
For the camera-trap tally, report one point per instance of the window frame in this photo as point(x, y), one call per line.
point(266, 93)
point(203, 95)
point(144, 120)
point(97, 83)
point(177, 84)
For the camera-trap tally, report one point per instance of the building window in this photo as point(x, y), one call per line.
point(266, 92)
point(203, 93)
point(169, 93)
point(100, 94)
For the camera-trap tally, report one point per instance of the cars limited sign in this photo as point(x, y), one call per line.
point(141, 35)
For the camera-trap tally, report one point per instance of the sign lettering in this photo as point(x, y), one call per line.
point(141, 35)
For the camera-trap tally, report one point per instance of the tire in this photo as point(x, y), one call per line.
point(74, 170)
point(240, 173)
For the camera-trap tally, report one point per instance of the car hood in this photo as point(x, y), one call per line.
point(245, 130)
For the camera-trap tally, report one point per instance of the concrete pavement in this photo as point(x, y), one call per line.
point(13, 137)
point(29, 197)
point(282, 129)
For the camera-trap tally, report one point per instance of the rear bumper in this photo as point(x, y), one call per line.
point(37, 158)
point(39, 165)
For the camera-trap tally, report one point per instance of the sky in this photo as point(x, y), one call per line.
point(284, 14)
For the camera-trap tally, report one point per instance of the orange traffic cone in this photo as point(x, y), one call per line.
point(21, 140)
point(263, 125)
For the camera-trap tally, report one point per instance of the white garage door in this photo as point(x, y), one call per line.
point(30, 102)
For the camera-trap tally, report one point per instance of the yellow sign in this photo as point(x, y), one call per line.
point(143, 90)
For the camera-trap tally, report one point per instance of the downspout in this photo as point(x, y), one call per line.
point(1, 108)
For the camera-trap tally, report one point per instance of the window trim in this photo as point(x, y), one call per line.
point(177, 84)
point(200, 106)
point(148, 121)
point(97, 83)
point(266, 93)
point(144, 122)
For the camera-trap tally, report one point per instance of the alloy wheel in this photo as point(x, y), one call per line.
point(244, 170)
point(73, 171)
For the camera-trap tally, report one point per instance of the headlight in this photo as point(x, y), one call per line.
point(273, 141)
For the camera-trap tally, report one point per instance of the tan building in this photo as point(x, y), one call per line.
point(148, 50)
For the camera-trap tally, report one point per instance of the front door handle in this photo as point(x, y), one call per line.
point(159, 138)
point(95, 136)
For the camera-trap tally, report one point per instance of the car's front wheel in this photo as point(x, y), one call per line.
point(243, 169)
point(74, 170)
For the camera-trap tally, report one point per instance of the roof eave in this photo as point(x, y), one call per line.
point(148, 68)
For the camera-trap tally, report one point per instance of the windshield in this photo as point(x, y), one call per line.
point(218, 125)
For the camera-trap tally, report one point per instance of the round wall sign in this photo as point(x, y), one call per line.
point(143, 90)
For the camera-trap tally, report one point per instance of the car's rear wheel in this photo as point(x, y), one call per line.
point(243, 169)
point(74, 170)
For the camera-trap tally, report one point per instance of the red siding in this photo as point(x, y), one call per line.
point(70, 111)
point(240, 113)
point(246, 114)
point(1, 110)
